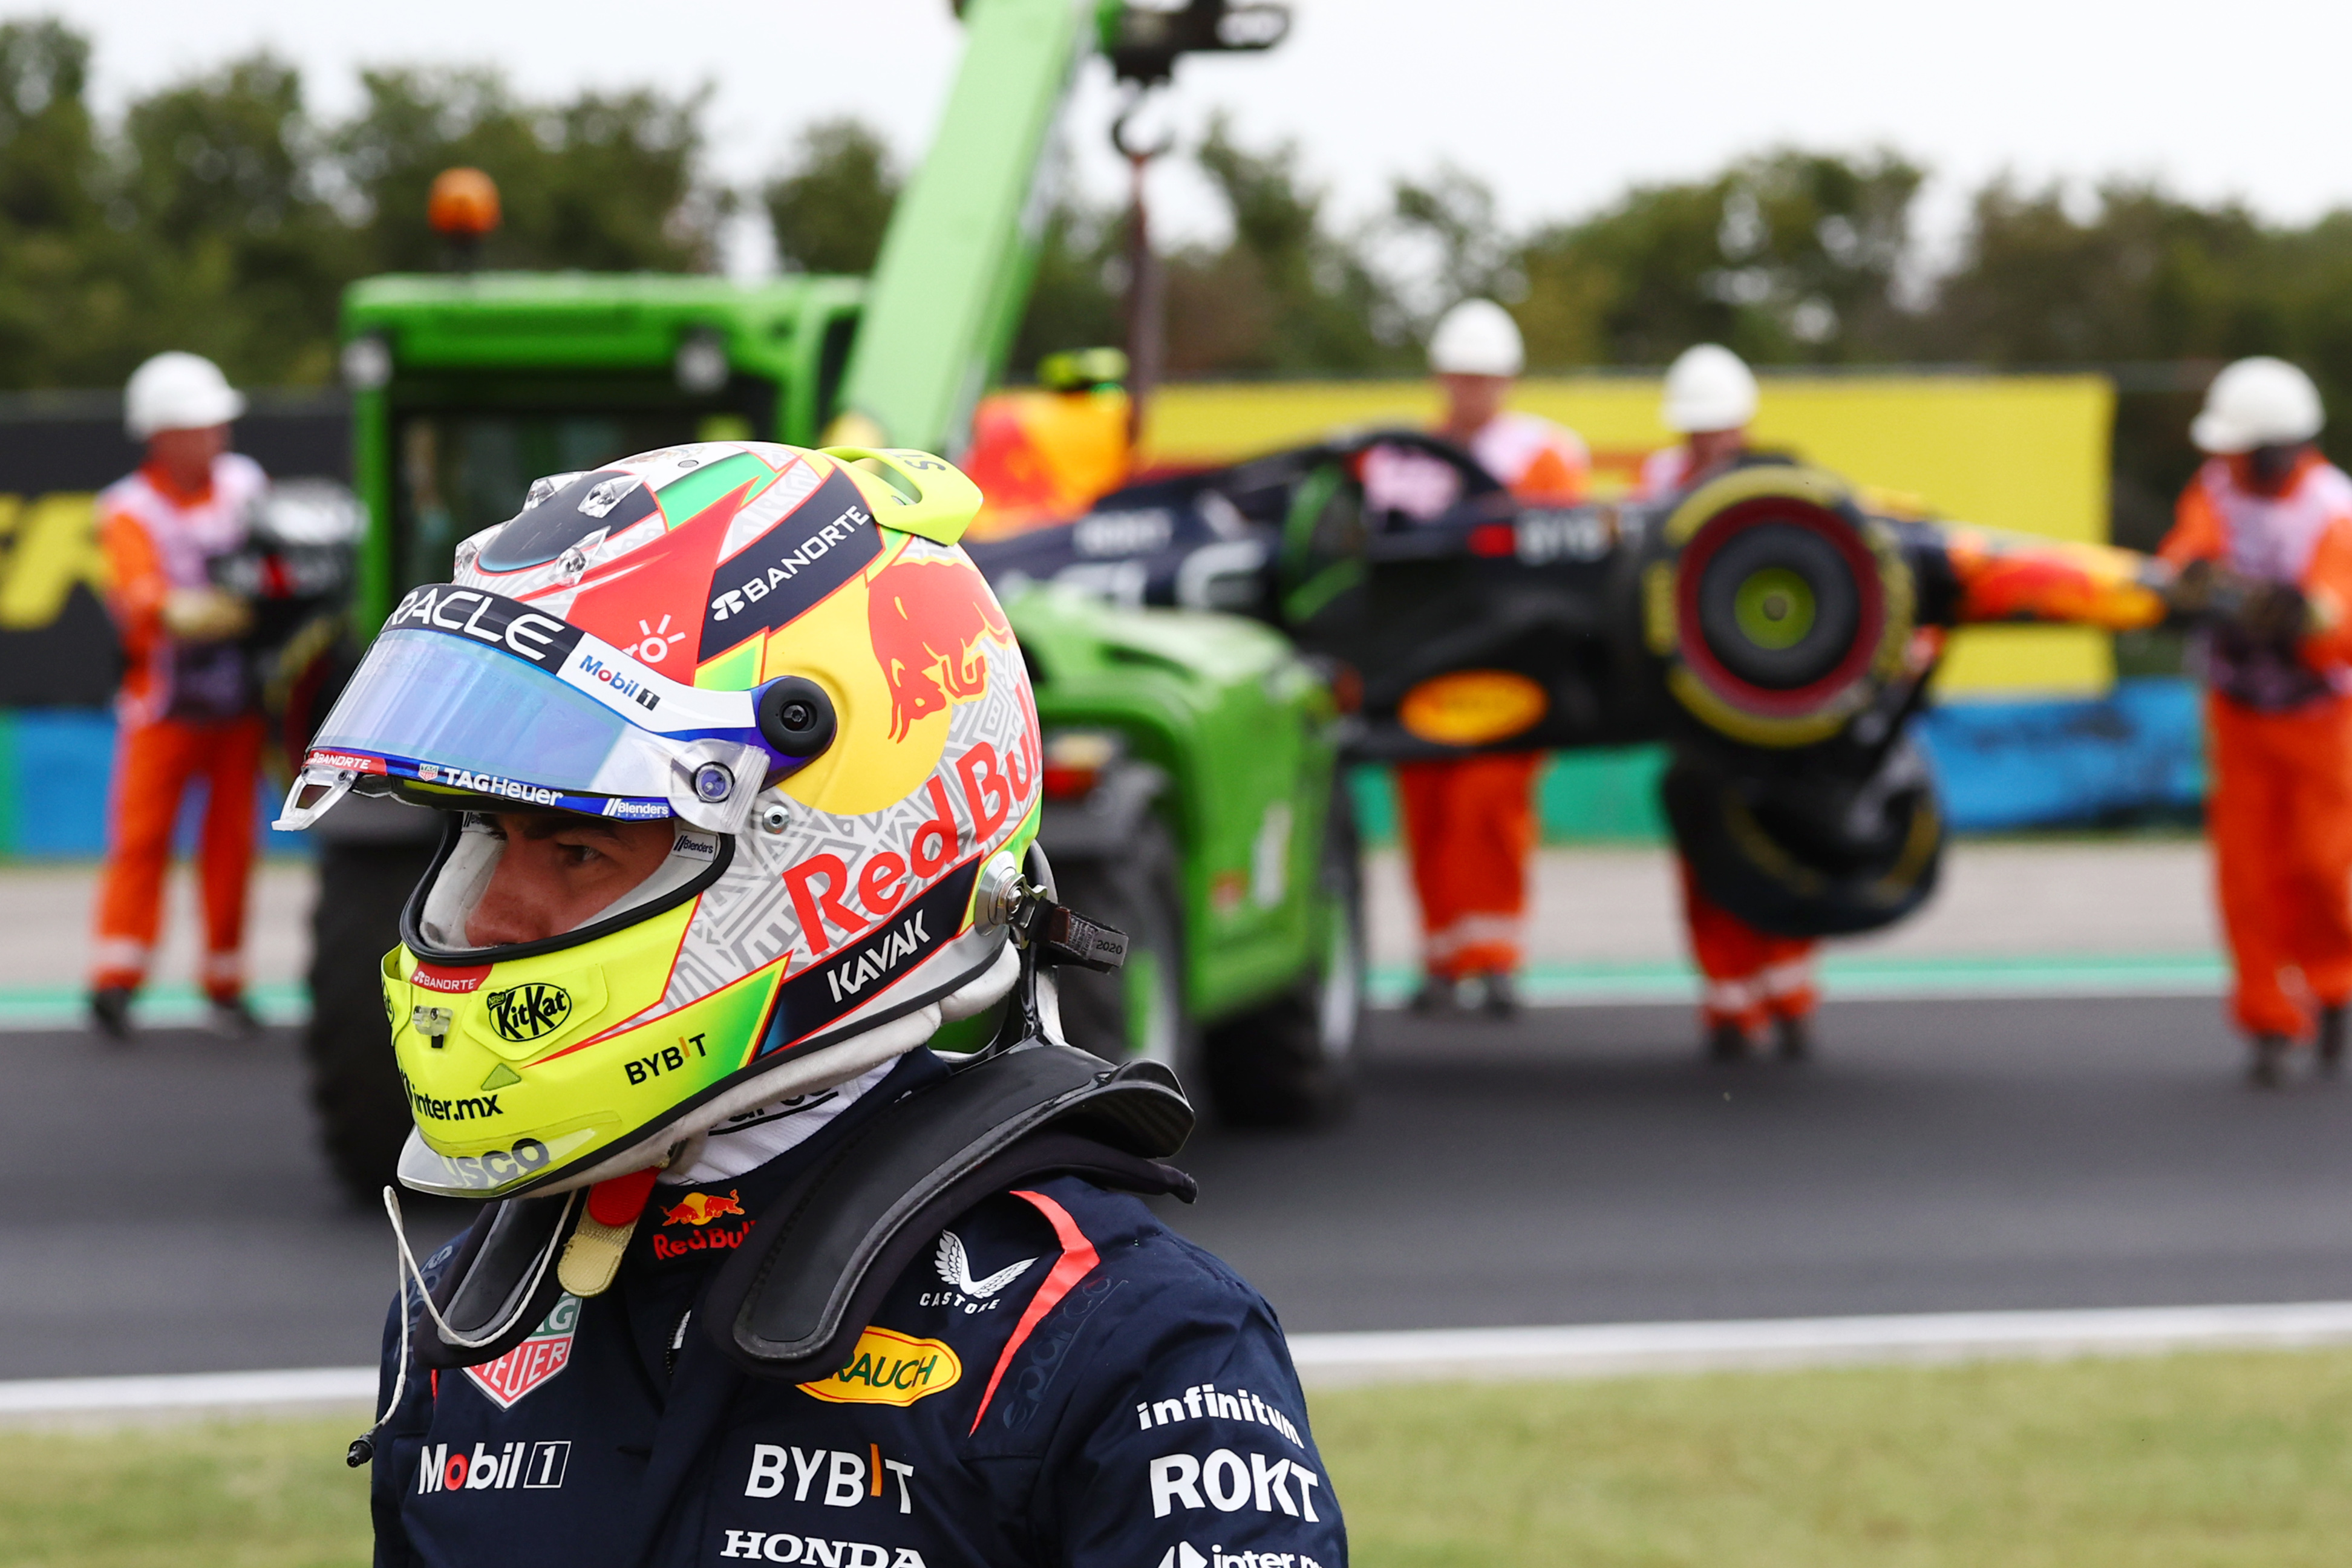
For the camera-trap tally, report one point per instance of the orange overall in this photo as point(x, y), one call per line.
point(180, 716)
point(1470, 825)
point(1752, 977)
point(2280, 815)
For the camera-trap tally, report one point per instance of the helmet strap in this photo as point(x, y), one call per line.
point(363, 1448)
point(1048, 934)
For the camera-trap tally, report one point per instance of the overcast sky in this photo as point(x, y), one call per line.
point(1556, 105)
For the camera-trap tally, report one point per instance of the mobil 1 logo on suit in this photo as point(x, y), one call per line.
point(540, 1467)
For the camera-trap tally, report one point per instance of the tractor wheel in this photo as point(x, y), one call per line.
point(354, 1086)
point(1137, 1010)
point(1292, 1062)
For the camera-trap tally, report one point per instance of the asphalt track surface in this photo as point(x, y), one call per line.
point(162, 1208)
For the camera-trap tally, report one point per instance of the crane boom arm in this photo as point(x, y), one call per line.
point(955, 264)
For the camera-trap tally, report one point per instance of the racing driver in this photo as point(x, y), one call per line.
point(803, 1238)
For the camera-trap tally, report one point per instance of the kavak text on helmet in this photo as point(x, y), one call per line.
point(2258, 402)
point(1708, 388)
point(785, 658)
point(1476, 337)
point(175, 391)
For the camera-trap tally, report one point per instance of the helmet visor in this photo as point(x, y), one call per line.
point(471, 693)
point(466, 708)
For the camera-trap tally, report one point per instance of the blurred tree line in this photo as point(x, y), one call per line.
point(220, 214)
point(1794, 258)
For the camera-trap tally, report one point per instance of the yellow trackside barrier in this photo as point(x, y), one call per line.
point(47, 546)
point(2029, 453)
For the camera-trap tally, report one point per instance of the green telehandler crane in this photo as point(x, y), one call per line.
point(1194, 798)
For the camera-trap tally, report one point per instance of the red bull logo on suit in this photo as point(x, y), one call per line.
point(701, 1208)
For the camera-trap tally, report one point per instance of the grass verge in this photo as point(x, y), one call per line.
point(2205, 1460)
point(248, 1494)
point(2211, 1460)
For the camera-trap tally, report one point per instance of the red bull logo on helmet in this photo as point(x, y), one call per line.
point(929, 620)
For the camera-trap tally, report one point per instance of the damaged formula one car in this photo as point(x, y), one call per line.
point(1775, 631)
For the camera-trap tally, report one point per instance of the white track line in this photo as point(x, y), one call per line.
point(1606, 1349)
point(193, 1393)
point(1423, 1355)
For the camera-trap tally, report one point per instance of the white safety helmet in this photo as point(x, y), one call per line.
point(1709, 388)
point(2258, 402)
point(175, 391)
point(1477, 337)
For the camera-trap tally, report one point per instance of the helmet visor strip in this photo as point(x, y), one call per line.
point(478, 693)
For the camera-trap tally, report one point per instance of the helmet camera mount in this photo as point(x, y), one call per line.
point(795, 716)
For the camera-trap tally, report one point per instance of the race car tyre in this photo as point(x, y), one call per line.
point(1292, 1062)
point(354, 1086)
point(1773, 610)
point(1808, 855)
point(1138, 1010)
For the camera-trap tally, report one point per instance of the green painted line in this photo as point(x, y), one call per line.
point(48, 1007)
point(1863, 977)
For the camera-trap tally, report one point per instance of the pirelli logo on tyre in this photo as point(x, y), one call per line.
point(889, 1368)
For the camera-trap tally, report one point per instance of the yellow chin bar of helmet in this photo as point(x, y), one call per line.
point(535, 1070)
point(517, 1070)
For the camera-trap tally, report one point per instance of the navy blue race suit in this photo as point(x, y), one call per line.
point(1061, 1380)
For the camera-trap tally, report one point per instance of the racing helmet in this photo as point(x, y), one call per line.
point(784, 657)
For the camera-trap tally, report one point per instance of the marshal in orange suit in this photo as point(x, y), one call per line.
point(1753, 978)
point(1470, 825)
point(2268, 509)
point(188, 709)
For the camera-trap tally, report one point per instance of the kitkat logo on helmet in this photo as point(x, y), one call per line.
point(929, 619)
point(528, 1013)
